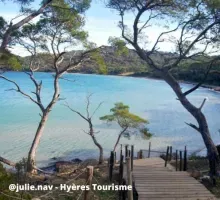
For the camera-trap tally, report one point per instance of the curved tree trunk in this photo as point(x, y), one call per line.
point(116, 144)
point(200, 118)
point(101, 156)
point(32, 153)
point(31, 163)
point(91, 133)
point(119, 137)
point(5, 40)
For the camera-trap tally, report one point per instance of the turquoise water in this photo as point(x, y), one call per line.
point(64, 134)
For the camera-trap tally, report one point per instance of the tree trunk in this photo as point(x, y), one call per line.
point(32, 153)
point(6, 39)
point(31, 163)
point(119, 137)
point(8, 162)
point(200, 118)
point(101, 157)
point(7, 35)
point(91, 133)
point(116, 144)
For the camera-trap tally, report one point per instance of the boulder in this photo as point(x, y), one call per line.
point(196, 174)
point(65, 166)
point(77, 160)
point(217, 89)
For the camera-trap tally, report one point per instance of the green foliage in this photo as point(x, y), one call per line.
point(128, 122)
point(145, 134)
point(56, 10)
point(6, 179)
point(195, 157)
point(119, 46)
point(79, 6)
point(122, 116)
point(64, 24)
point(61, 27)
point(102, 68)
point(14, 63)
point(3, 24)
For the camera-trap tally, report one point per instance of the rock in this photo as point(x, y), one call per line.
point(54, 158)
point(65, 166)
point(217, 89)
point(76, 160)
point(196, 174)
point(205, 178)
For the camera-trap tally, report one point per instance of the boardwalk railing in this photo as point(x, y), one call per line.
point(126, 177)
point(180, 156)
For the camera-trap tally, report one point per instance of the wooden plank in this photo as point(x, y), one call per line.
point(179, 198)
point(173, 195)
point(155, 182)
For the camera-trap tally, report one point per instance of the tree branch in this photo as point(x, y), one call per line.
point(203, 103)
point(8, 162)
point(75, 111)
point(193, 126)
point(204, 79)
point(23, 93)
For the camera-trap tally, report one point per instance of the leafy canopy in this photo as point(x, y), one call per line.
point(124, 118)
point(62, 10)
point(14, 63)
point(119, 45)
point(102, 68)
point(60, 32)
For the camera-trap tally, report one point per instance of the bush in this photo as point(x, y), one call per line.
point(6, 179)
point(14, 63)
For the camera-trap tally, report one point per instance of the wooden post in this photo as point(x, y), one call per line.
point(141, 154)
point(121, 169)
point(123, 191)
point(171, 152)
point(214, 173)
point(121, 151)
point(89, 176)
point(129, 153)
point(111, 163)
point(176, 160)
point(115, 158)
point(185, 160)
point(167, 155)
point(129, 176)
point(132, 156)
point(126, 151)
point(181, 162)
point(149, 149)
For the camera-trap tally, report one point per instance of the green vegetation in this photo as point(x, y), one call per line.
point(127, 121)
point(99, 60)
point(108, 61)
point(14, 63)
point(119, 46)
point(10, 61)
point(6, 179)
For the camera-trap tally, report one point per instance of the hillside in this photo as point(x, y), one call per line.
point(113, 63)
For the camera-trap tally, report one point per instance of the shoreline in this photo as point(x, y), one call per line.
point(211, 87)
point(214, 88)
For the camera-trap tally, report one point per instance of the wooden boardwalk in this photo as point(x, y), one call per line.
point(153, 181)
